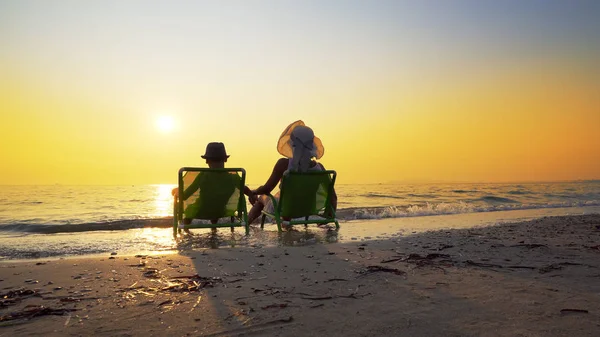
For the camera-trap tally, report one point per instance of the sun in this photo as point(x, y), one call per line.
point(165, 124)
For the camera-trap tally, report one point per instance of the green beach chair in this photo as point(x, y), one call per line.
point(303, 195)
point(210, 194)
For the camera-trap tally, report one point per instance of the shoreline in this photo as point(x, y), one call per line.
point(156, 240)
point(344, 214)
point(530, 278)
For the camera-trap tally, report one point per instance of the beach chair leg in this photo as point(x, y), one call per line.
point(175, 218)
point(262, 221)
point(244, 219)
point(232, 220)
point(306, 223)
point(337, 225)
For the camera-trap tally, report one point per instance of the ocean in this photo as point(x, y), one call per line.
point(65, 221)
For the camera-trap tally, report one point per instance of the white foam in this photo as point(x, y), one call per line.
point(455, 208)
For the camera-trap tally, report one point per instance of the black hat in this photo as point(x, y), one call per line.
point(215, 151)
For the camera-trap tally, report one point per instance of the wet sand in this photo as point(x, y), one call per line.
point(535, 278)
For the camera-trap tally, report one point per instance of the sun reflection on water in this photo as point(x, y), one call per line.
point(163, 200)
point(157, 240)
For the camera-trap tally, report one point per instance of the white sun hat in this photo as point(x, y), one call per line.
point(302, 135)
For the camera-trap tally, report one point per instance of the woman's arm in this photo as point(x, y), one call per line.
point(250, 194)
point(280, 167)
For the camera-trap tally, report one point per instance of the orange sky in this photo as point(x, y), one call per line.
point(394, 98)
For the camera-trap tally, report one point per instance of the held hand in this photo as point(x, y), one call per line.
point(252, 198)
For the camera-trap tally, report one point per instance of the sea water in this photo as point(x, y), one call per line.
point(58, 220)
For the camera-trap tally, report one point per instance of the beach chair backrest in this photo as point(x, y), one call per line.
point(304, 194)
point(215, 193)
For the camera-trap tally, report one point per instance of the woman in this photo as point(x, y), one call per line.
point(300, 148)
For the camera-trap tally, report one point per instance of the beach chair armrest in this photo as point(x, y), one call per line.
point(273, 199)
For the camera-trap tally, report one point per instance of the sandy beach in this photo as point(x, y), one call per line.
point(535, 278)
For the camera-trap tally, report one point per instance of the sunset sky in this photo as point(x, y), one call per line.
point(398, 91)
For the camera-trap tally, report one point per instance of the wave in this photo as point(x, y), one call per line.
point(10, 202)
point(494, 199)
point(446, 208)
point(518, 192)
point(353, 213)
point(165, 222)
point(556, 195)
point(407, 211)
point(415, 195)
point(378, 195)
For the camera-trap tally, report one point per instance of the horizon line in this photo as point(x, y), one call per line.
point(366, 183)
